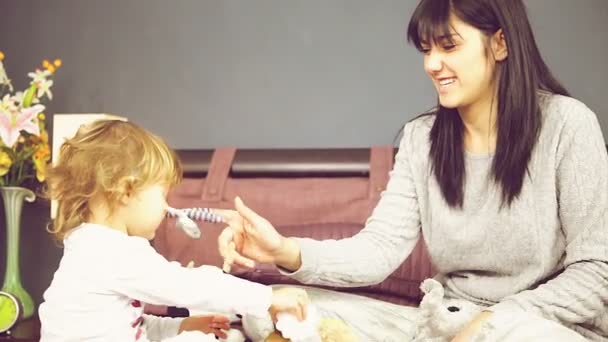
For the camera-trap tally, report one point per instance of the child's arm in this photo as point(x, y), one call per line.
point(161, 328)
point(143, 274)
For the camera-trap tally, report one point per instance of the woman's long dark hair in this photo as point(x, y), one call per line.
point(520, 76)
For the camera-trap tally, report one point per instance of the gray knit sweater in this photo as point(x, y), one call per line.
point(547, 253)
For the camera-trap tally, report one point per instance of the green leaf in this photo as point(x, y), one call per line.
point(10, 152)
point(27, 153)
point(28, 97)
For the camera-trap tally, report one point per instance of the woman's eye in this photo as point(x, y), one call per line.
point(425, 50)
point(449, 47)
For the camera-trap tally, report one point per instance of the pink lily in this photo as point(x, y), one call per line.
point(11, 124)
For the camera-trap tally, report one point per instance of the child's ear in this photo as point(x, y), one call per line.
point(124, 199)
point(128, 190)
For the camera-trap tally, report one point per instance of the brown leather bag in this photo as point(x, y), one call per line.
point(316, 207)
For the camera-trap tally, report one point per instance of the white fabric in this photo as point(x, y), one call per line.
point(299, 331)
point(105, 276)
point(370, 319)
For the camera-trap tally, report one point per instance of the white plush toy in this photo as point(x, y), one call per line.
point(440, 319)
point(288, 329)
point(260, 328)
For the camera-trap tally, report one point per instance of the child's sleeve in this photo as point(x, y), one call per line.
point(143, 274)
point(161, 328)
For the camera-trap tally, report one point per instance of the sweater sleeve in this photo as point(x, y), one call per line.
point(389, 236)
point(580, 292)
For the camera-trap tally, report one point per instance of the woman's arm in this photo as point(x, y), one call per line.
point(370, 256)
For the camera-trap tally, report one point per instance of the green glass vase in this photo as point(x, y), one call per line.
point(13, 197)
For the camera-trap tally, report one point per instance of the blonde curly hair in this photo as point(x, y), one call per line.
point(111, 158)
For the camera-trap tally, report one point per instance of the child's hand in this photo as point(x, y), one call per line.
point(212, 324)
point(291, 300)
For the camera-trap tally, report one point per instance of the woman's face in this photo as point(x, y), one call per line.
point(461, 66)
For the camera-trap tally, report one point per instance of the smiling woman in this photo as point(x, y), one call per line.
point(475, 58)
point(500, 180)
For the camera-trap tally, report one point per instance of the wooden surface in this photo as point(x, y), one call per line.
point(25, 331)
point(342, 162)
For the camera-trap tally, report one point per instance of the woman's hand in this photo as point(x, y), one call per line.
point(250, 238)
point(212, 324)
point(471, 329)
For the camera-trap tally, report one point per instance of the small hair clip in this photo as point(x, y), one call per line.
point(187, 216)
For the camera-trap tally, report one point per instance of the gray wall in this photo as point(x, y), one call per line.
point(263, 73)
point(266, 73)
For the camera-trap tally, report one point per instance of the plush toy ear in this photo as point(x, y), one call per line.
point(431, 314)
point(433, 297)
point(429, 285)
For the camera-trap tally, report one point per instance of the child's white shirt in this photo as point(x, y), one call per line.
point(105, 275)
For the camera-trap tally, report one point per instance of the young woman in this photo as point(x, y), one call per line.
point(506, 181)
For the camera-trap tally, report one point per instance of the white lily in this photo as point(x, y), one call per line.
point(8, 103)
point(18, 98)
point(12, 123)
point(4, 80)
point(44, 88)
point(39, 75)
